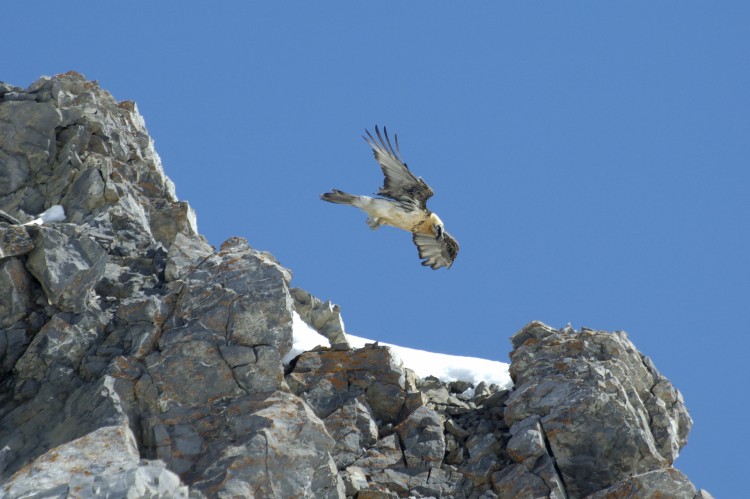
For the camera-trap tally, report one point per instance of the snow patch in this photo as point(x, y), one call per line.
point(445, 367)
point(55, 213)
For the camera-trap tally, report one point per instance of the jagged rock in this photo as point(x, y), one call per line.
point(497, 399)
point(605, 410)
point(392, 480)
point(327, 379)
point(436, 392)
point(528, 446)
point(240, 294)
point(413, 401)
point(104, 463)
point(439, 396)
point(432, 482)
point(484, 451)
point(527, 443)
point(515, 481)
point(174, 346)
point(8, 219)
point(324, 317)
point(13, 342)
point(17, 285)
point(14, 241)
point(386, 453)
point(422, 439)
point(183, 357)
point(230, 323)
point(455, 429)
point(28, 129)
point(60, 345)
point(354, 480)
point(60, 410)
point(256, 369)
point(168, 219)
point(659, 483)
point(137, 361)
point(185, 253)
point(138, 324)
point(481, 392)
point(264, 456)
point(546, 469)
point(68, 266)
point(459, 386)
point(353, 430)
point(454, 451)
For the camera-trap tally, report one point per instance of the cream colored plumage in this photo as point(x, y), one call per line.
point(403, 204)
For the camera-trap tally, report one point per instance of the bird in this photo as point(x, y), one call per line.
point(402, 204)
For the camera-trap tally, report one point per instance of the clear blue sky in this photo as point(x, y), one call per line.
point(592, 159)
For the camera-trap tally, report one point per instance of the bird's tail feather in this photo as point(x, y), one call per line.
point(340, 197)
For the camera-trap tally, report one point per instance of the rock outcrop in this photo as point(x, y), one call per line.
point(138, 361)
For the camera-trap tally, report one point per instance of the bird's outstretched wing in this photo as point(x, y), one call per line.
point(400, 184)
point(436, 252)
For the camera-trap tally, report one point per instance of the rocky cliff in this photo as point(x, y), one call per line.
point(137, 361)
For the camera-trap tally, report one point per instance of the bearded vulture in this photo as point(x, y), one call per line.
point(403, 204)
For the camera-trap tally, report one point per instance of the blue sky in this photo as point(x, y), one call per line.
point(592, 159)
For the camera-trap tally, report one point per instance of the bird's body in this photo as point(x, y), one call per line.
point(386, 212)
point(403, 205)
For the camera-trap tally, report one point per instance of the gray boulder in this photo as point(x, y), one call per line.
point(353, 430)
point(14, 240)
point(355, 481)
point(67, 264)
point(668, 482)
point(422, 438)
point(184, 255)
point(279, 449)
point(484, 453)
point(103, 463)
point(603, 408)
point(515, 481)
point(385, 453)
point(432, 482)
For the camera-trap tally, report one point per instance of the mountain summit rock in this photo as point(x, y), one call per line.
point(136, 360)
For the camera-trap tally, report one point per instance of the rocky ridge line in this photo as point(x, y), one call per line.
point(137, 360)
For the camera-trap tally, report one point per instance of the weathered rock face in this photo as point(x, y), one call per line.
point(136, 361)
point(120, 471)
point(601, 407)
point(125, 317)
point(328, 379)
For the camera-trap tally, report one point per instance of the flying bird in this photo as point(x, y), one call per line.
point(403, 204)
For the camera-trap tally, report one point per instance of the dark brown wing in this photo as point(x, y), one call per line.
point(400, 184)
point(436, 252)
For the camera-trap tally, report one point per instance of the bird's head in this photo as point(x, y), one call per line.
point(437, 226)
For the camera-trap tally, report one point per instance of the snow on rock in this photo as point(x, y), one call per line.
point(445, 367)
point(55, 213)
